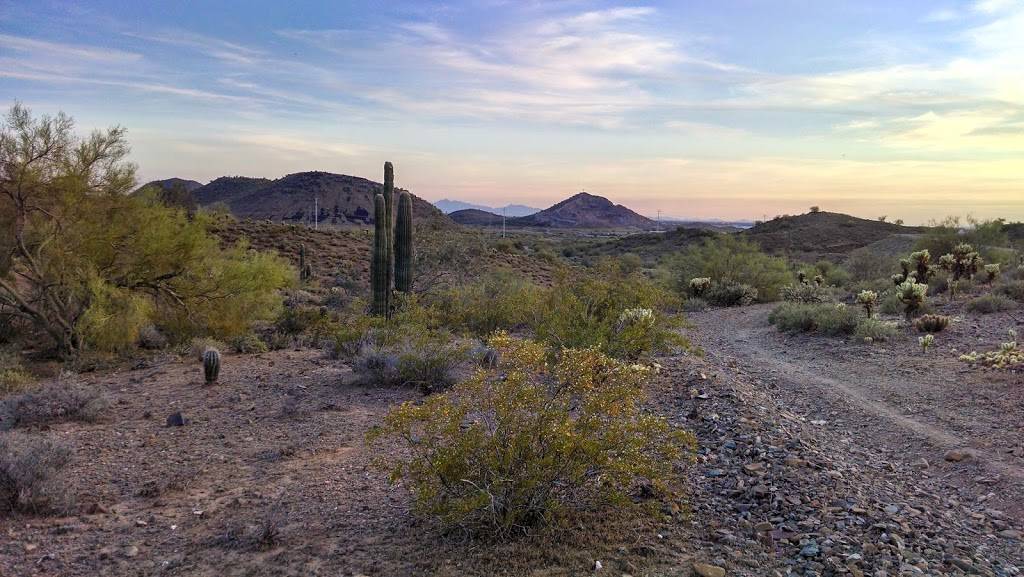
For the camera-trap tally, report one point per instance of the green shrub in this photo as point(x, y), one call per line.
point(931, 323)
point(584, 309)
point(197, 347)
point(990, 303)
point(731, 260)
point(518, 447)
point(875, 329)
point(248, 344)
point(806, 293)
point(496, 301)
point(730, 294)
point(1013, 289)
point(31, 478)
point(827, 319)
point(431, 361)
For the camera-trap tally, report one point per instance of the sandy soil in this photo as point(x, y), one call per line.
point(810, 464)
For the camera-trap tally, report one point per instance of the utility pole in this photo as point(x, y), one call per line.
point(316, 213)
point(659, 219)
point(503, 209)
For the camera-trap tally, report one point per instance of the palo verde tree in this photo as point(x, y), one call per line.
point(88, 265)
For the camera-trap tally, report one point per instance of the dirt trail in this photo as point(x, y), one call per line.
point(887, 398)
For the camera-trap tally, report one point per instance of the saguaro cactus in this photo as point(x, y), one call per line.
point(305, 268)
point(392, 265)
point(211, 365)
point(403, 244)
point(389, 206)
point(379, 264)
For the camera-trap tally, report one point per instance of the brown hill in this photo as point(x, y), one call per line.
point(169, 184)
point(342, 199)
point(477, 217)
point(822, 234)
point(582, 210)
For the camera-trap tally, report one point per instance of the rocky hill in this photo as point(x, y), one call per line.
point(477, 217)
point(822, 234)
point(168, 184)
point(342, 199)
point(585, 210)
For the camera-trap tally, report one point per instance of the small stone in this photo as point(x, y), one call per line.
point(892, 509)
point(131, 551)
point(810, 550)
point(705, 570)
point(598, 566)
point(921, 464)
point(957, 455)
point(176, 420)
point(1010, 534)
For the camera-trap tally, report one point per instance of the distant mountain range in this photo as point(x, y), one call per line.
point(448, 206)
point(581, 210)
point(339, 198)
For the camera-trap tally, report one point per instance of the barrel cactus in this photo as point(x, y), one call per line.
point(403, 244)
point(211, 365)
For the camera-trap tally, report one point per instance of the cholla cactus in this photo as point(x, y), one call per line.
point(963, 262)
point(921, 261)
point(802, 277)
point(991, 271)
point(636, 316)
point(912, 295)
point(819, 280)
point(699, 285)
point(868, 300)
point(926, 341)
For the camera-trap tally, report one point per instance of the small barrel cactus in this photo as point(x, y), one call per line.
point(211, 365)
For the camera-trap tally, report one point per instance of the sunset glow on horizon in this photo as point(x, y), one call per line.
point(732, 110)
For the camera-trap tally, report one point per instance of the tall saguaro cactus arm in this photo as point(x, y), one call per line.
point(403, 244)
point(389, 219)
point(379, 263)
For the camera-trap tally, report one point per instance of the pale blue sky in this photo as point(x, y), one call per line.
point(707, 109)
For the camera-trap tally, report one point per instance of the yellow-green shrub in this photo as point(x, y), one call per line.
point(515, 447)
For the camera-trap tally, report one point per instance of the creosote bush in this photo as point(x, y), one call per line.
point(731, 294)
point(874, 329)
point(730, 261)
point(30, 473)
point(518, 447)
point(806, 293)
point(827, 319)
point(990, 303)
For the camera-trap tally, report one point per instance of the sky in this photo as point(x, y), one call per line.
point(698, 109)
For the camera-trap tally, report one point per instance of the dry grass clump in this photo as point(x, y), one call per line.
point(990, 303)
point(30, 479)
point(55, 402)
